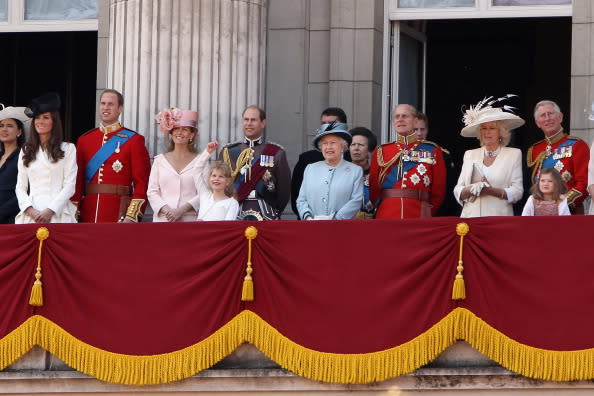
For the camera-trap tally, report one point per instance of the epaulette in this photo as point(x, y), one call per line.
point(571, 137)
point(233, 144)
point(275, 144)
point(431, 143)
point(539, 142)
point(89, 131)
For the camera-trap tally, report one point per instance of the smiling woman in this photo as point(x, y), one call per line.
point(12, 138)
point(46, 167)
point(491, 177)
point(333, 188)
point(177, 177)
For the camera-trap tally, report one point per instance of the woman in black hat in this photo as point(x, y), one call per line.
point(47, 167)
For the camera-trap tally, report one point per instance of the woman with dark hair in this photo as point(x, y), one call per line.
point(12, 138)
point(47, 167)
point(363, 144)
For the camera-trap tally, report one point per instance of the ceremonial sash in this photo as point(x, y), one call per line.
point(393, 176)
point(105, 152)
point(257, 171)
point(551, 160)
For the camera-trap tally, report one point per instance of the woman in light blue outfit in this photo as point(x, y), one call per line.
point(333, 188)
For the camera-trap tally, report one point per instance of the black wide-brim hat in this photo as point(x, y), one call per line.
point(49, 101)
point(335, 128)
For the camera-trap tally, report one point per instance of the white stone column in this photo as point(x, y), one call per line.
point(193, 54)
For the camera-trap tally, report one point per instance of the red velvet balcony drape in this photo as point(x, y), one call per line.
point(343, 301)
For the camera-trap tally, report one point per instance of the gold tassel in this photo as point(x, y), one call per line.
point(459, 289)
point(36, 298)
point(247, 291)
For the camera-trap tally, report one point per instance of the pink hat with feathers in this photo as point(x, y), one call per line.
point(172, 118)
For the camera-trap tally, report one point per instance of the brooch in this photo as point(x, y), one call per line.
point(117, 166)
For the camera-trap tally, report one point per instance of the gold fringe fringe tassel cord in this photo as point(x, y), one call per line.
point(247, 292)
point(36, 298)
point(459, 290)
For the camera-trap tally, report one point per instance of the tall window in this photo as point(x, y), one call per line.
point(3, 10)
point(460, 9)
point(60, 9)
point(48, 15)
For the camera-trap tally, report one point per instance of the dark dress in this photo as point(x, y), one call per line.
point(9, 206)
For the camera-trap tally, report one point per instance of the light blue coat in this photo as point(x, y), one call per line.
point(335, 191)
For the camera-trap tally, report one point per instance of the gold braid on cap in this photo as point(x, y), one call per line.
point(133, 213)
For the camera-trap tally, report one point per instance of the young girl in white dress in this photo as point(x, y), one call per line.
point(219, 203)
point(547, 196)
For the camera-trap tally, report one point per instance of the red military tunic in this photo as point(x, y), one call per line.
point(407, 178)
point(127, 170)
point(570, 156)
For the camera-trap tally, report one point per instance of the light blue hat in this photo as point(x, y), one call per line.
point(335, 128)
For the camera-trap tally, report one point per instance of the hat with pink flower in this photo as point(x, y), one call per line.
point(172, 118)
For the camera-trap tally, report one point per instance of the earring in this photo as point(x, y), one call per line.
point(191, 140)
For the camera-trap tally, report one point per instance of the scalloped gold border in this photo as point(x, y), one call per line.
point(247, 326)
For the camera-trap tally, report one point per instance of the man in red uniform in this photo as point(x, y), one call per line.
point(407, 177)
point(568, 154)
point(113, 168)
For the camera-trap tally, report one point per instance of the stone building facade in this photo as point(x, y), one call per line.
point(295, 57)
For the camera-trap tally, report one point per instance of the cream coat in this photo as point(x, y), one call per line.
point(505, 172)
point(50, 184)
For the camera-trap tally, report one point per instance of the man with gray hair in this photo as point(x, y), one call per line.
point(407, 177)
point(568, 154)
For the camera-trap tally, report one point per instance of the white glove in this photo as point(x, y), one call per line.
point(476, 188)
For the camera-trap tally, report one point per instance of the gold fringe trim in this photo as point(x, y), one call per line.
point(120, 368)
point(321, 366)
point(352, 368)
point(36, 298)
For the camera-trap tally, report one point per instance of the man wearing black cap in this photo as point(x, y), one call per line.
point(113, 168)
point(260, 170)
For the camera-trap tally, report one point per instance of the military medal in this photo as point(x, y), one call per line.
point(117, 166)
point(117, 149)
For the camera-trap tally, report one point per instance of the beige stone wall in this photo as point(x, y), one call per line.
point(322, 53)
point(582, 69)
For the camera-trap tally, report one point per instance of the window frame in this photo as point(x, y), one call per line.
point(16, 21)
point(482, 9)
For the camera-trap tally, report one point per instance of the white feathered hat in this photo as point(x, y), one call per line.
point(484, 112)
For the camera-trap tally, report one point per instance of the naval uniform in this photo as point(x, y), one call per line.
point(262, 178)
point(114, 188)
point(570, 156)
point(407, 178)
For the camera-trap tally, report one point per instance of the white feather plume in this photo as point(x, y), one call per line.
point(484, 107)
